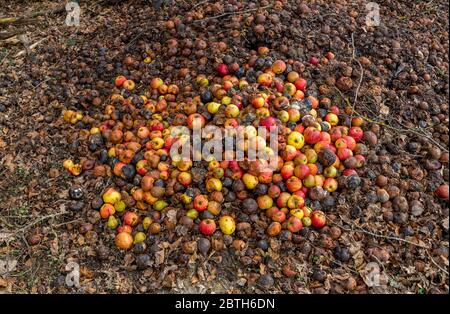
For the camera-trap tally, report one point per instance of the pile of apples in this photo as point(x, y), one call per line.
point(319, 150)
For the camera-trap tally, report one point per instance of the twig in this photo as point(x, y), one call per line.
point(67, 222)
point(4, 58)
point(40, 220)
point(6, 35)
point(199, 4)
point(232, 13)
point(359, 229)
point(10, 20)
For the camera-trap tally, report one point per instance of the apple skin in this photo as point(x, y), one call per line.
point(111, 196)
point(124, 228)
point(318, 219)
point(185, 178)
point(330, 185)
point(274, 229)
point(294, 224)
point(250, 181)
point(351, 142)
point(295, 201)
point(207, 227)
point(268, 122)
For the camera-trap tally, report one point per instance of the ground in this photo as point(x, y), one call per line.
point(399, 72)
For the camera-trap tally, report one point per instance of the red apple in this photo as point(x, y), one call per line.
point(142, 167)
point(318, 219)
point(312, 135)
point(289, 153)
point(293, 184)
point(301, 84)
point(302, 171)
point(313, 60)
point(330, 185)
point(200, 203)
point(287, 171)
point(356, 132)
point(125, 228)
point(349, 172)
point(264, 201)
point(344, 153)
point(274, 191)
point(258, 102)
point(185, 178)
point(120, 80)
point(222, 69)
point(107, 210)
point(351, 142)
